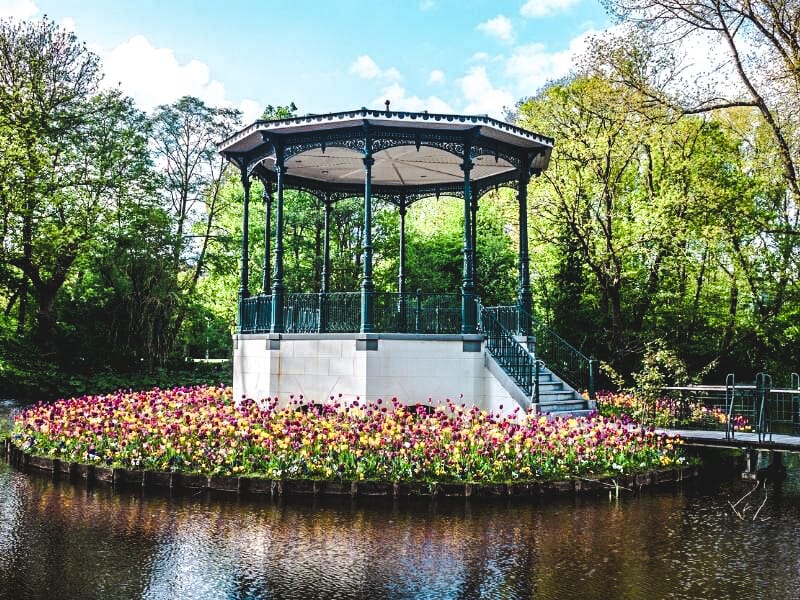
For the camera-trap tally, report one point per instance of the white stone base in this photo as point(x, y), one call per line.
point(333, 367)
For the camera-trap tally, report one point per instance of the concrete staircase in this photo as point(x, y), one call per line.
point(557, 398)
point(517, 364)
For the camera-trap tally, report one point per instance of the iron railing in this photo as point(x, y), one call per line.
point(340, 312)
point(301, 313)
point(566, 361)
point(513, 357)
point(255, 314)
point(428, 312)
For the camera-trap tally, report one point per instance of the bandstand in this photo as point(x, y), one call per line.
point(412, 345)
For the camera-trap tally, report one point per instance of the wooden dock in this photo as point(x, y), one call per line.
point(750, 441)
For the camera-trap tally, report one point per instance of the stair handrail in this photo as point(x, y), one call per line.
point(586, 363)
point(517, 361)
point(538, 365)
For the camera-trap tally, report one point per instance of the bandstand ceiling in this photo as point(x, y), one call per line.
point(398, 166)
point(412, 151)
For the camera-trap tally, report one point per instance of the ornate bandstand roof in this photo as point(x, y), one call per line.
point(416, 154)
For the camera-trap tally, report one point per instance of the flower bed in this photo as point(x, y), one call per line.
point(200, 430)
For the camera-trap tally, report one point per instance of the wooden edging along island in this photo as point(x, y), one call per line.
point(281, 487)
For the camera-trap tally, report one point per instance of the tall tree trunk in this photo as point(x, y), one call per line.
point(22, 314)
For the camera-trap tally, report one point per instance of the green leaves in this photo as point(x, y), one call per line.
point(652, 225)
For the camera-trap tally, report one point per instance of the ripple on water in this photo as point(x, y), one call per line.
point(63, 541)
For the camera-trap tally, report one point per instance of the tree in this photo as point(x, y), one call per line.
point(633, 195)
point(751, 92)
point(761, 40)
point(184, 137)
point(279, 112)
point(73, 155)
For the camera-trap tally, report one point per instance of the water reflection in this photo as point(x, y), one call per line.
point(63, 541)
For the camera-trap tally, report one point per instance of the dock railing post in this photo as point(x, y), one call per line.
point(730, 397)
point(795, 385)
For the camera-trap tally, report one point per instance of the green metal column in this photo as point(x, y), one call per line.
point(401, 275)
point(524, 289)
point(267, 225)
point(367, 289)
point(326, 254)
point(474, 233)
point(326, 273)
point(469, 311)
point(244, 290)
point(278, 289)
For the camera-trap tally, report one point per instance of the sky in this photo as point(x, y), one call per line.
point(471, 57)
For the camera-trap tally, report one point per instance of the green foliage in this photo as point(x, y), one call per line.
point(648, 226)
point(26, 376)
point(661, 367)
point(279, 112)
point(78, 154)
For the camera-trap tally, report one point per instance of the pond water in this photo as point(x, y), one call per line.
point(59, 540)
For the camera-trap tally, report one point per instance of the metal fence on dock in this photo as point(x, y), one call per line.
point(756, 407)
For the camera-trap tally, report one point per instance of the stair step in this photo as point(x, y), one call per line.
point(562, 404)
point(559, 396)
point(555, 397)
point(550, 386)
point(565, 414)
point(572, 406)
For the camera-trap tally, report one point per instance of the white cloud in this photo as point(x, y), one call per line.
point(392, 74)
point(366, 68)
point(481, 96)
point(499, 27)
point(426, 5)
point(531, 65)
point(68, 23)
point(251, 110)
point(705, 67)
point(484, 57)
point(436, 76)
point(154, 76)
point(542, 8)
point(397, 94)
point(18, 9)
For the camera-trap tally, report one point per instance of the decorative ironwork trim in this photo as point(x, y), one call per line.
point(384, 115)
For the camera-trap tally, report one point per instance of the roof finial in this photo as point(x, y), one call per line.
point(387, 105)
